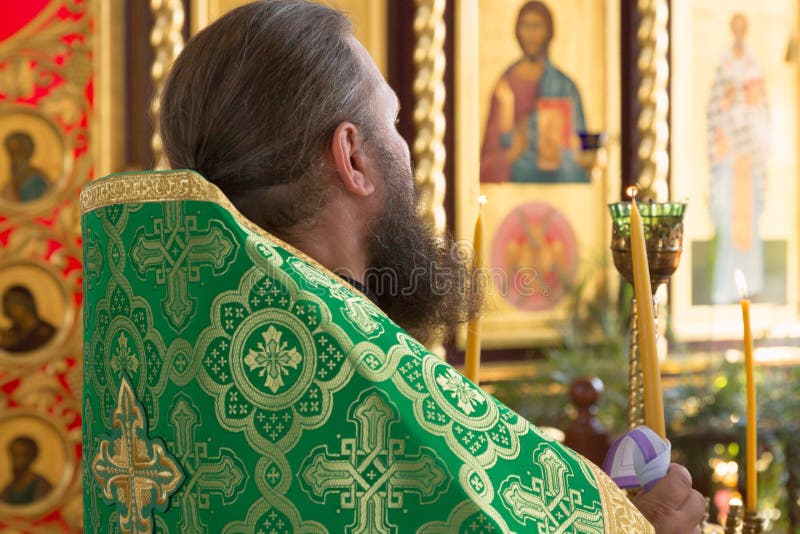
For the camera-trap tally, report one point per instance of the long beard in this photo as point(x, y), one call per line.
point(422, 282)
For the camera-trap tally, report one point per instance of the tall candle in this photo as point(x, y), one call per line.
point(472, 358)
point(651, 375)
point(752, 425)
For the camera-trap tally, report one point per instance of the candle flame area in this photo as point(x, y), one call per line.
point(632, 191)
point(741, 283)
point(482, 200)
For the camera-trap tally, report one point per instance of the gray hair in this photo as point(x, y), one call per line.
point(253, 101)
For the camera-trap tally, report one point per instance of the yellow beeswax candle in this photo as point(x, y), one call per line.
point(651, 374)
point(752, 425)
point(472, 358)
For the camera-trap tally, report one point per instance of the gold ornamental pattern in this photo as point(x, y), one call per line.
point(652, 124)
point(429, 119)
point(46, 113)
point(166, 38)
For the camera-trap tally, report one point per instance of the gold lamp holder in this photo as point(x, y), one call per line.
point(663, 229)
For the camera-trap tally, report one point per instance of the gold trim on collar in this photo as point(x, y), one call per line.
point(150, 186)
point(176, 185)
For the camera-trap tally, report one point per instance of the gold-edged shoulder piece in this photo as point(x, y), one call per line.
point(619, 513)
point(172, 185)
point(162, 186)
point(147, 186)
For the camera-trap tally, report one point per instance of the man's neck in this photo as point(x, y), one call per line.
point(344, 261)
point(336, 246)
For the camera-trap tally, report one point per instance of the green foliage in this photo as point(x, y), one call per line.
point(708, 421)
point(595, 344)
point(705, 413)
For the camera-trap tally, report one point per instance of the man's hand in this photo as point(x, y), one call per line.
point(672, 506)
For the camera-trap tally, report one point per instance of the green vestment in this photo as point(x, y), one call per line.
point(232, 384)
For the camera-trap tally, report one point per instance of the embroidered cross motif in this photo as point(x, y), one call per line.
point(92, 258)
point(273, 358)
point(372, 472)
point(124, 358)
point(466, 396)
point(364, 316)
point(135, 472)
point(223, 474)
point(549, 502)
point(175, 251)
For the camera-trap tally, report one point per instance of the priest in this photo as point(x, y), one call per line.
point(327, 413)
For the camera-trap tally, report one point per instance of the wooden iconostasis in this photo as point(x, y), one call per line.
point(76, 81)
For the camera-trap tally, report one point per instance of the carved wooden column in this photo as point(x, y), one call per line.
point(166, 38)
point(645, 80)
point(429, 118)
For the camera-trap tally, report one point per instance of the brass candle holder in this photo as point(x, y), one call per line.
point(753, 524)
point(663, 231)
point(733, 523)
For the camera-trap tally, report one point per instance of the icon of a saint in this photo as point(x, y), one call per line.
point(27, 183)
point(535, 113)
point(26, 486)
point(738, 146)
point(28, 331)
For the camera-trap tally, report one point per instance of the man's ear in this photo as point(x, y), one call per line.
point(350, 160)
